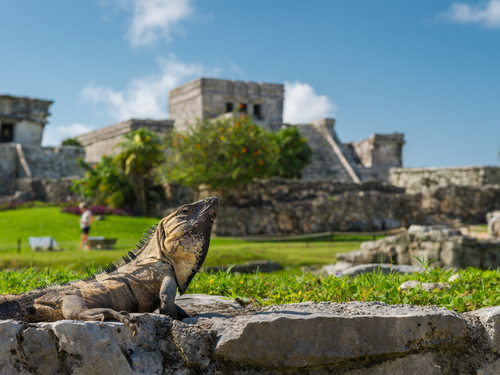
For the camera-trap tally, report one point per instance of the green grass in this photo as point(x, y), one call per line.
point(476, 289)
point(479, 228)
point(49, 221)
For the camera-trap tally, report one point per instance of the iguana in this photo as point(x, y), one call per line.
point(166, 259)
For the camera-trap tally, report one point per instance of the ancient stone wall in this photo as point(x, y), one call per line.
point(437, 246)
point(206, 98)
point(22, 119)
point(280, 206)
point(354, 338)
point(47, 189)
point(422, 179)
point(103, 141)
point(291, 207)
point(54, 163)
point(468, 203)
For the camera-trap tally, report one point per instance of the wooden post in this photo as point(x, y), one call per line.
point(18, 245)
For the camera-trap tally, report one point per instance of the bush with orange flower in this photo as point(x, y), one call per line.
point(224, 152)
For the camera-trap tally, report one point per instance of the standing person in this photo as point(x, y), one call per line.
point(85, 222)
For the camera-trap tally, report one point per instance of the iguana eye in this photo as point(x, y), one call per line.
point(185, 211)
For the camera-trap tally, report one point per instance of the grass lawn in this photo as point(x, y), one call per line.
point(49, 221)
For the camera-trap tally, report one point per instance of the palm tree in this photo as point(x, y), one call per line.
point(141, 151)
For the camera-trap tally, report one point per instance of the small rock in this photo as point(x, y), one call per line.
point(412, 284)
point(454, 278)
point(384, 268)
point(335, 268)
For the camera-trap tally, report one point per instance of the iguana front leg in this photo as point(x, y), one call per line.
point(167, 297)
point(75, 308)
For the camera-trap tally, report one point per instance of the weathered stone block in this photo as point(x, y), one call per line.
point(9, 351)
point(317, 334)
point(40, 351)
point(490, 319)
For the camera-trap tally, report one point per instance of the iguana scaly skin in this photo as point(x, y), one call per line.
point(165, 260)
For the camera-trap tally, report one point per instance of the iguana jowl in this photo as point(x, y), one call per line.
point(166, 260)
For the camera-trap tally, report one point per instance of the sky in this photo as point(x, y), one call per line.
point(427, 68)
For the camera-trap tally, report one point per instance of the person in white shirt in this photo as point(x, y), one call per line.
point(85, 222)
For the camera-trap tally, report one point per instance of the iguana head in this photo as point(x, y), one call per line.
point(185, 237)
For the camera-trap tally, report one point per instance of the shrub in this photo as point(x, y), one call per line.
point(294, 155)
point(71, 142)
point(104, 184)
point(221, 153)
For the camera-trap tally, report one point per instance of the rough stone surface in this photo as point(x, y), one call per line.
point(194, 343)
point(279, 206)
point(283, 207)
point(360, 329)
point(327, 338)
point(412, 284)
point(203, 303)
point(438, 246)
point(424, 179)
point(374, 267)
point(490, 319)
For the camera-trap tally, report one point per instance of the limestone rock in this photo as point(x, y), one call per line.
point(9, 351)
point(204, 303)
point(412, 284)
point(309, 334)
point(334, 269)
point(194, 343)
point(490, 319)
point(384, 268)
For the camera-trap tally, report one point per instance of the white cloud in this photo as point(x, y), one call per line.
point(154, 19)
point(302, 104)
point(143, 97)
point(54, 135)
point(486, 14)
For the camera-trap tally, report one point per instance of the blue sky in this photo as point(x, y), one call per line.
point(426, 68)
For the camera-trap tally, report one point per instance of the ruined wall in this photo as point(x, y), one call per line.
point(206, 98)
point(103, 141)
point(330, 159)
point(18, 162)
point(279, 206)
point(47, 189)
point(375, 155)
point(28, 133)
point(440, 247)
point(422, 179)
point(8, 168)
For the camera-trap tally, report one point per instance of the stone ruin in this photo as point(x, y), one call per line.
point(354, 338)
point(206, 98)
point(25, 166)
point(436, 246)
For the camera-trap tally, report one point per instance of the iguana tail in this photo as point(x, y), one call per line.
point(10, 308)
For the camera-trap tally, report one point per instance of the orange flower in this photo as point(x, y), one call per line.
point(244, 150)
point(236, 124)
point(235, 154)
point(178, 135)
point(251, 127)
point(255, 154)
point(261, 162)
point(258, 169)
point(198, 146)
